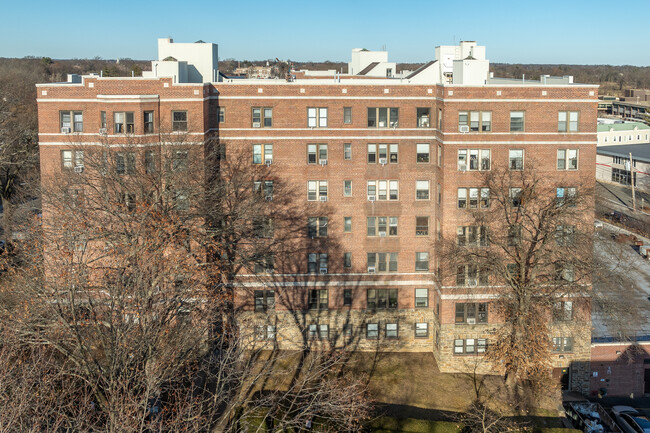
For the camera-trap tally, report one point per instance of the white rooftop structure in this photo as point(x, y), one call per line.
point(371, 63)
point(196, 62)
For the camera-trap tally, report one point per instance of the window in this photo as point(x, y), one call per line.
point(439, 194)
point(264, 300)
point(125, 163)
point(318, 299)
point(127, 200)
point(317, 262)
point(562, 344)
point(347, 115)
point(421, 330)
point(265, 332)
point(72, 159)
point(347, 297)
point(347, 260)
point(150, 163)
point(317, 190)
point(381, 226)
point(565, 235)
point(148, 122)
point(422, 190)
point(474, 121)
point(516, 159)
point(563, 311)
point(470, 276)
point(391, 330)
point(469, 346)
point(471, 313)
point(440, 156)
point(623, 177)
point(180, 160)
point(473, 198)
point(383, 117)
point(421, 297)
point(564, 272)
point(318, 331)
point(317, 117)
point(424, 117)
point(179, 121)
point(473, 159)
point(571, 125)
point(383, 190)
point(181, 200)
point(102, 120)
point(262, 117)
point(262, 154)
point(422, 261)
point(264, 188)
point(421, 226)
point(514, 236)
point(222, 114)
point(382, 153)
point(372, 331)
point(347, 188)
point(317, 227)
point(382, 299)
point(515, 197)
point(123, 122)
point(516, 121)
point(347, 224)
point(382, 262)
point(265, 263)
point(422, 152)
point(317, 153)
point(262, 227)
point(472, 236)
point(566, 195)
point(71, 121)
point(567, 159)
point(347, 151)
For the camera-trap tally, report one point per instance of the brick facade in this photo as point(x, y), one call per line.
point(290, 136)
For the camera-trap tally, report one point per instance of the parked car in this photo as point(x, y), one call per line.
point(630, 420)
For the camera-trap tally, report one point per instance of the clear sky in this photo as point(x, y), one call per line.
point(523, 31)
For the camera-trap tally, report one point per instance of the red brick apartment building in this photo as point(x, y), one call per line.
point(387, 159)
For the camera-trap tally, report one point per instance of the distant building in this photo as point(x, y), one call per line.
point(613, 164)
point(623, 133)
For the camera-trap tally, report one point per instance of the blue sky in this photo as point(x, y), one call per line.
point(524, 31)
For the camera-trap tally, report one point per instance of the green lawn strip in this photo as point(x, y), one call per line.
point(386, 424)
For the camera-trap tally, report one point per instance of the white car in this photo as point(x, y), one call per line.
point(630, 420)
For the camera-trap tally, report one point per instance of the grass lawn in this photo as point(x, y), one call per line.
point(410, 425)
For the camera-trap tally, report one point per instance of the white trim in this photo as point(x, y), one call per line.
point(335, 129)
point(483, 134)
point(367, 283)
point(591, 101)
point(90, 134)
point(470, 296)
point(118, 145)
point(346, 137)
point(561, 143)
point(400, 98)
point(123, 100)
point(622, 343)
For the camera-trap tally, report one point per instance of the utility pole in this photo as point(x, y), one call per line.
point(632, 183)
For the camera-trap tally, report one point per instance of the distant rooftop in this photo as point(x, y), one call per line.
point(627, 126)
point(640, 152)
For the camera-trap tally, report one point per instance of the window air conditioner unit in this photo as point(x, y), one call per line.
point(371, 269)
point(79, 169)
point(268, 162)
point(382, 234)
point(256, 124)
point(269, 270)
point(462, 167)
point(65, 130)
point(269, 198)
point(323, 270)
point(383, 161)
point(463, 128)
point(322, 162)
point(471, 321)
point(323, 198)
point(371, 198)
point(102, 131)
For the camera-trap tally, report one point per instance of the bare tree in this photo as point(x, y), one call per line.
point(535, 245)
point(122, 285)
